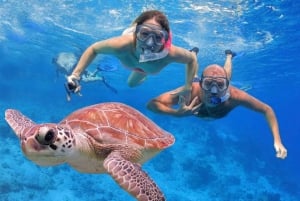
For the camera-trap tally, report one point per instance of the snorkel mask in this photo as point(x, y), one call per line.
point(217, 87)
point(154, 42)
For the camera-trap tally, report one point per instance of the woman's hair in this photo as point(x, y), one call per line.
point(157, 15)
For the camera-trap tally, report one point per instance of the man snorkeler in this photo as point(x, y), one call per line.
point(213, 97)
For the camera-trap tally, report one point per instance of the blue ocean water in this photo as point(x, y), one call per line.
point(223, 160)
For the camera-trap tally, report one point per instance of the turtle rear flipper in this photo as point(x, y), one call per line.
point(132, 178)
point(17, 121)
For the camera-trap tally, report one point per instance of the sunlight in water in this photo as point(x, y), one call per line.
point(227, 159)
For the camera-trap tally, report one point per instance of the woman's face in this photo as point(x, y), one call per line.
point(150, 36)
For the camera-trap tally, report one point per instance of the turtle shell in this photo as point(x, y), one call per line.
point(117, 123)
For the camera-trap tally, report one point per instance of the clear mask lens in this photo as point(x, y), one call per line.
point(207, 83)
point(145, 32)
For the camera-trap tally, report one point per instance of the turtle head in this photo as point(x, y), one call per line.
point(48, 144)
point(45, 144)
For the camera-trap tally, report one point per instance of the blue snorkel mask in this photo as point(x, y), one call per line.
point(216, 86)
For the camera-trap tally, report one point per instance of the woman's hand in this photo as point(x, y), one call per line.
point(72, 86)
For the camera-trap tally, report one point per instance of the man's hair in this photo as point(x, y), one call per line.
point(157, 15)
point(211, 66)
point(214, 66)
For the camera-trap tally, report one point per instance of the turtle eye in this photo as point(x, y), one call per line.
point(46, 137)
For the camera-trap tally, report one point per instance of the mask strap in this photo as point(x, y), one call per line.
point(168, 43)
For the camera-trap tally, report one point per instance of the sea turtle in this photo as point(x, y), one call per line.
point(110, 137)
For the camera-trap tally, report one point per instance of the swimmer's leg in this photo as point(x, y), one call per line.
point(136, 78)
point(228, 62)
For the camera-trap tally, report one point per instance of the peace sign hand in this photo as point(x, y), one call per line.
point(187, 110)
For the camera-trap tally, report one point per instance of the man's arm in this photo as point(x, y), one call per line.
point(257, 105)
point(164, 104)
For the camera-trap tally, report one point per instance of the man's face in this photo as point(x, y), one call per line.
point(214, 84)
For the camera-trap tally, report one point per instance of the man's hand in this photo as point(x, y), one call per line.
point(186, 110)
point(72, 86)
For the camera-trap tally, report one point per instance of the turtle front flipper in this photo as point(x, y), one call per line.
point(132, 178)
point(17, 121)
